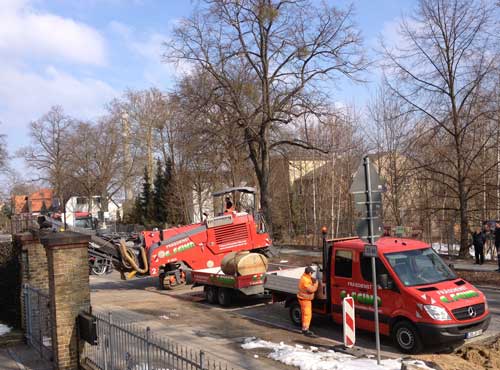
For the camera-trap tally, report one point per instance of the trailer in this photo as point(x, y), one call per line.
point(221, 288)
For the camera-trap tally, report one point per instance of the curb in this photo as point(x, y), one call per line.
point(470, 269)
point(16, 359)
point(488, 287)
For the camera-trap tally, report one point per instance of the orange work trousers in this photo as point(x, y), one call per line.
point(306, 310)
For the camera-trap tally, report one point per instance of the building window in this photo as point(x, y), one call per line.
point(343, 263)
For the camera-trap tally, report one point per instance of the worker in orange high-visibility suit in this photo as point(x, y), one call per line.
point(307, 286)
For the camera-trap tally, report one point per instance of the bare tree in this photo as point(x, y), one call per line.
point(268, 58)
point(392, 138)
point(3, 153)
point(441, 69)
point(49, 152)
point(97, 167)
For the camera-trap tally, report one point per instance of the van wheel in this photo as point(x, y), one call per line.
point(211, 294)
point(224, 296)
point(295, 313)
point(407, 337)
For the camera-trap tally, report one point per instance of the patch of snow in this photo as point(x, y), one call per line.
point(453, 249)
point(312, 359)
point(4, 329)
point(164, 317)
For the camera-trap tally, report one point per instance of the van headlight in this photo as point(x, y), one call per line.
point(436, 312)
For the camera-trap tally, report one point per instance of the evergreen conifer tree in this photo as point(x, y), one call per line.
point(174, 212)
point(147, 204)
point(160, 195)
point(44, 209)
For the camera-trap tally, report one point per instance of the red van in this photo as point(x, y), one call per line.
point(421, 300)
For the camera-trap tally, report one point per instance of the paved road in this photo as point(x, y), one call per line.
point(493, 296)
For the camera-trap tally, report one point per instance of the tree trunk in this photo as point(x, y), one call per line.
point(265, 204)
point(263, 178)
point(464, 223)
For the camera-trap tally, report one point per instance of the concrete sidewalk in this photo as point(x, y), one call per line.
point(469, 265)
point(22, 357)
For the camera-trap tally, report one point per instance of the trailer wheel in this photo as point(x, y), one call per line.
point(99, 269)
point(189, 276)
point(407, 337)
point(161, 281)
point(295, 313)
point(224, 296)
point(211, 294)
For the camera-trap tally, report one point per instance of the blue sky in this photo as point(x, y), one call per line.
point(81, 54)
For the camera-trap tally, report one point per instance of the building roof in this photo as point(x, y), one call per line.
point(39, 197)
point(32, 203)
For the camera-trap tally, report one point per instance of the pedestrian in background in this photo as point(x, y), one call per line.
point(497, 242)
point(478, 240)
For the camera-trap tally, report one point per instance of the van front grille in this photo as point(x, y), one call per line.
point(468, 312)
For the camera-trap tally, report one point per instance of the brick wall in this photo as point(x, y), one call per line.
point(10, 283)
point(67, 257)
point(34, 268)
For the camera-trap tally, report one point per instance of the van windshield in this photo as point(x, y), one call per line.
point(419, 267)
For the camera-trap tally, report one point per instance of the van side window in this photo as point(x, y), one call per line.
point(343, 263)
point(366, 268)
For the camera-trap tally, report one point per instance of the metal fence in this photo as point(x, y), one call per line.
point(123, 346)
point(38, 321)
point(23, 222)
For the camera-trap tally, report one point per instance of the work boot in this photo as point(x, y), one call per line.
point(308, 333)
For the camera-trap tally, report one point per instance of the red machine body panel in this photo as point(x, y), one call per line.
point(203, 245)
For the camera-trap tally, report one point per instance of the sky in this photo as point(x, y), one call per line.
point(82, 54)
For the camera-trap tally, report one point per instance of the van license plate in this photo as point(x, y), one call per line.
point(473, 334)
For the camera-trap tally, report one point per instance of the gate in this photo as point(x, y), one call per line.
point(122, 346)
point(38, 321)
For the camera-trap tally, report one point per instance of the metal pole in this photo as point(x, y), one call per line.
point(147, 347)
point(202, 360)
point(110, 341)
point(28, 314)
point(370, 239)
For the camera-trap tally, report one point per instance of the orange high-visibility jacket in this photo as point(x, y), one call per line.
point(307, 287)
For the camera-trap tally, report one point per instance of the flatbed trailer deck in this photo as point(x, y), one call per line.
point(221, 288)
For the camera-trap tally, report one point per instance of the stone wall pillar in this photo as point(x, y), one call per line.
point(33, 264)
point(34, 268)
point(67, 256)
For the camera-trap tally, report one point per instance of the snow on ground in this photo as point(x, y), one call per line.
point(453, 249)
point(312, 359)
point(4, 329)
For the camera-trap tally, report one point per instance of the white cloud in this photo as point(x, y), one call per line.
point(26, 32)
point(149, 47)
point(27, 95)
point(47, 60)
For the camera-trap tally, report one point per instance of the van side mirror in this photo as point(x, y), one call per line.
point(384, 282)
